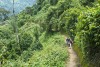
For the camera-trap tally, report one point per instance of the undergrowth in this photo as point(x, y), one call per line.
point(53, 54)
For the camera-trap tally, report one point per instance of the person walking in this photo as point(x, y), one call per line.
point(69, 42)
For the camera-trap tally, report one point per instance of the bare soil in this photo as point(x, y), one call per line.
point(73, 59)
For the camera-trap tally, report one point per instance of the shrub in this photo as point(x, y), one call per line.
point(53, 53)
point(87, 35)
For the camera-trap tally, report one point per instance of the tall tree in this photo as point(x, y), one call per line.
point(14, 25)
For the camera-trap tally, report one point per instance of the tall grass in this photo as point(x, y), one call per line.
point(54, 54)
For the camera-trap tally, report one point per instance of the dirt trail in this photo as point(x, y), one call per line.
point(73, 59)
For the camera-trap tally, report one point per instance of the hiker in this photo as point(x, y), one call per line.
point(69, 42)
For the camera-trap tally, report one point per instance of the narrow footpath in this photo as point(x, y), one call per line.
point(73, 59)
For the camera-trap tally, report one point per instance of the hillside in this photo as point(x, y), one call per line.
point(35, 36)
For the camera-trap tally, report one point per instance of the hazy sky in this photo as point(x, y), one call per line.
point(19, 4)
point(16, 1)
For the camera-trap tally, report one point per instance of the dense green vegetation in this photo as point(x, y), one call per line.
point(33, 39)
point(87, 34)
point(50, 53)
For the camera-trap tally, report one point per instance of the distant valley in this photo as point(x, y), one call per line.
point(19, 4)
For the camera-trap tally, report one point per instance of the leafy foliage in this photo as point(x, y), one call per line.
point(38, 44)
point(52, 55)
point(87, 35)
